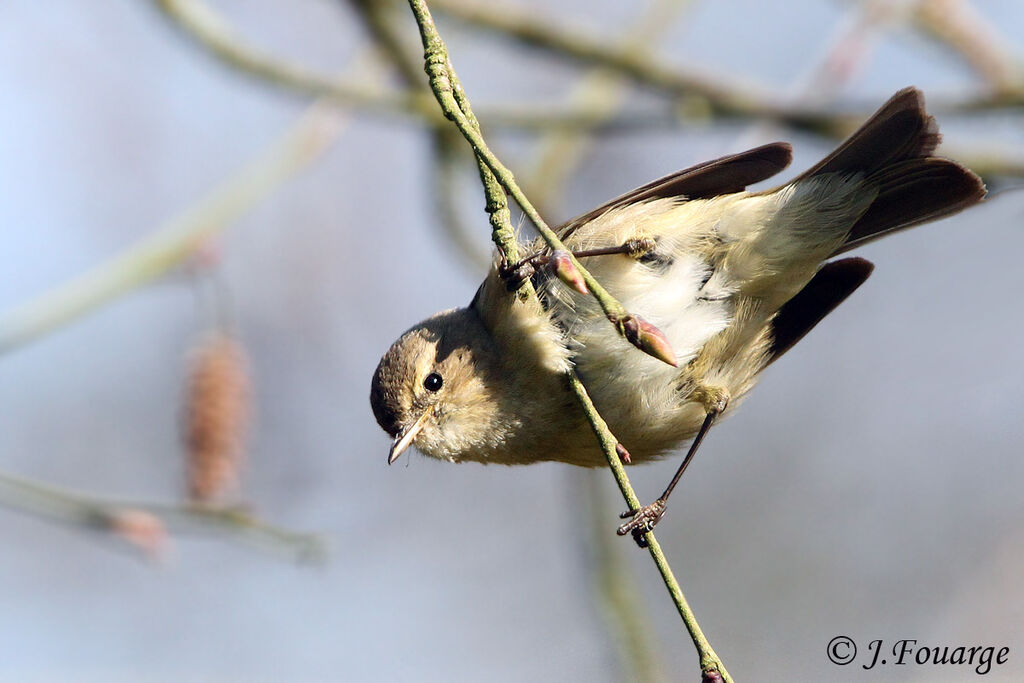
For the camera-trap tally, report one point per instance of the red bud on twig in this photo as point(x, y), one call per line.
point(647, 338)
point(561, 265)
point(142, 529)
point(711, 676)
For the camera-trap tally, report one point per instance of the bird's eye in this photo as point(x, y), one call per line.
point(433, 382)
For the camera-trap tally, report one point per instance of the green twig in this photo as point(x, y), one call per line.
point(76, 509)
point(446, 178)
point(451, 97)
point(497, 179)
point(560, 151)
point(614, 585)
point(177, 239)
point(709, 661)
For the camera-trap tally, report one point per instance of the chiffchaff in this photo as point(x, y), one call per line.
point(721, 281)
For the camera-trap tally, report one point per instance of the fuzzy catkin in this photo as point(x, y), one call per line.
point(216, 414)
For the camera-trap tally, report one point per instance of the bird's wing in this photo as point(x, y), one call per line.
point(712, 178)
point(894, 152)
point(826, 290)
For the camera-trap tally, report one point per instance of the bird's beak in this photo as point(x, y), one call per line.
point(405, 437)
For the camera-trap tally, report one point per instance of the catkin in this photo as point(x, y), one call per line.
point(217, 407)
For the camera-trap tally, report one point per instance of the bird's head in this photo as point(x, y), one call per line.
point(439, 388)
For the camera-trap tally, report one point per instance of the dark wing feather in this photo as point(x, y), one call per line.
point(721, 176)
point(913, 192)
point(893, 151)
point(900, 129)
point(826, 290)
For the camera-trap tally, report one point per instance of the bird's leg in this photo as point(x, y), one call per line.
point(633, 247)
point(515, 274)
point(644, 520)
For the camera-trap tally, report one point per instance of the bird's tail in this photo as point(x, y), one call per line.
point(893, 150)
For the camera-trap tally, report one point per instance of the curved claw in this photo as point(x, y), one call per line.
point(515, 274)
point(643, 521)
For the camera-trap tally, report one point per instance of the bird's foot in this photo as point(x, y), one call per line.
point(515, 274)
point(558, 262)
point(642, 521)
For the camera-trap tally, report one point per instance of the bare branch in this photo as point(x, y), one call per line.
point(210, 31)
point(173, 243)
point(445, 84)
point(715, 94)
point(84, 511)
point(957, 24)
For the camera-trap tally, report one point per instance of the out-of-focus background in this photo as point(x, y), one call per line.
point(870, 487)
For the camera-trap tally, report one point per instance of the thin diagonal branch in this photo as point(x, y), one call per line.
point(452, 99)
point(709, 660)
point(497, 180)
point(615, 587)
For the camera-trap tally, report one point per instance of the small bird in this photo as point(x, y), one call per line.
point(719, 282)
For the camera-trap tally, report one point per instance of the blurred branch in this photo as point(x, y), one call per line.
point(446, 87)
point(445, 140)
point(206, 28)
point(703, 95)
point(602, 92)
point(209, 30)
point(377, 19)
point(445, 193)
point(957, 24)
point(717, 95)
point(823, 76)
point(93, 513)
point(615, 587)
point(177, 239)
point(990, 163)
